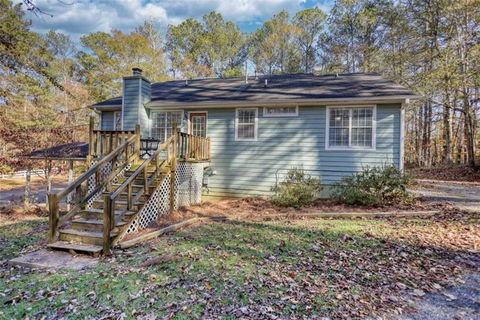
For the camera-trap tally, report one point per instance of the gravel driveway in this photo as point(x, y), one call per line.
point(39, 193)
point(461, 301)
point(463, 195)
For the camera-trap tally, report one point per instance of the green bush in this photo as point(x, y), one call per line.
point(298, 189)
point(373, 186)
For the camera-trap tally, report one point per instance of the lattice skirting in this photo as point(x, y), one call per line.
point(157, 205)
point(188, 184)
point(188, 191)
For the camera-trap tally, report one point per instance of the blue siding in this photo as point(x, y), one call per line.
point(131, 101)
point(107, 120)
point(136, 94)
point(250, 167)
point(142, 111)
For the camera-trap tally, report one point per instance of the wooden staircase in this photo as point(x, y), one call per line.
point(85, 233)
point(99, 217)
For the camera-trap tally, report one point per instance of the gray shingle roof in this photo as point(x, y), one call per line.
point(74, 150)
point(113, 102)
point(288, 87)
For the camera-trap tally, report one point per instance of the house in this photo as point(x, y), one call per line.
point(260, 127)
point(250, 131)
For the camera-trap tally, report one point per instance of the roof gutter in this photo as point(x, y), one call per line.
point(235, 104)
point(105, 108)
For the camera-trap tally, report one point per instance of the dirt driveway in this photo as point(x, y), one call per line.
point(12, 190)
point(461, 301)
point(463, 195)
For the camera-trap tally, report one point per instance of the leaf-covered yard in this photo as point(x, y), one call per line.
point(285, 268)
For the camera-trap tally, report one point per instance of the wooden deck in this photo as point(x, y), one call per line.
point(117, 185)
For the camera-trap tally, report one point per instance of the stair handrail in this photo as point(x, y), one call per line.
point(109, 199)
point(55, 221)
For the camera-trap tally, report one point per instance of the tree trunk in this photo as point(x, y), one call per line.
point(49, 178)
point(419, 136)
point(28, 190)
point(426, 139)
point(469, 117)
point(447, 130)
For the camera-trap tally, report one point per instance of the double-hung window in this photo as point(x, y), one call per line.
point(246, 124)
point(163, 122)
point(351, 127)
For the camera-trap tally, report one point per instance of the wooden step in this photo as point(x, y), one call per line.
point(150, 166)
point(92, 224)
point(123, 195)
point(135, 187)
point(128, 173)
point(76, 247)
point(98, 204)
point(97, 214)
point(150, 171)
point(84, 237)
point(138, 182)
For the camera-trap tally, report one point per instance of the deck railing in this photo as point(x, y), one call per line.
point(193, 148)
point(103, 142)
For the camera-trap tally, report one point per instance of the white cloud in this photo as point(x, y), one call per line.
point(236, 10)
point(85, 16)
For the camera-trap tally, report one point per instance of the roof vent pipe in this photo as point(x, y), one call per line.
point(137, 71)
point(186, 82)
point(266, 83)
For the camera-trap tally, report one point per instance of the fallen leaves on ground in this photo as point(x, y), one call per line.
point(252, 208)
point(261, 270)
point(158, 260)
point(459, 173)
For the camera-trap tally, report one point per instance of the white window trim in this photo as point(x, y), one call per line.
point(206, 121)
point(158, 111)
point(266, 115)
point(351, 148)
point(115, 122)
point(255, 125)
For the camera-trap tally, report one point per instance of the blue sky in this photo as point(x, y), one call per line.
point(77, 17)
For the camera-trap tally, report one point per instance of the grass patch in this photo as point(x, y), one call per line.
point(19, 235)
point(310, 268)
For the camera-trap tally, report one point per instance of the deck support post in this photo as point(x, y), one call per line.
point(91, 141)
point(53, 208)
point(107, 224)
point(70, 180)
